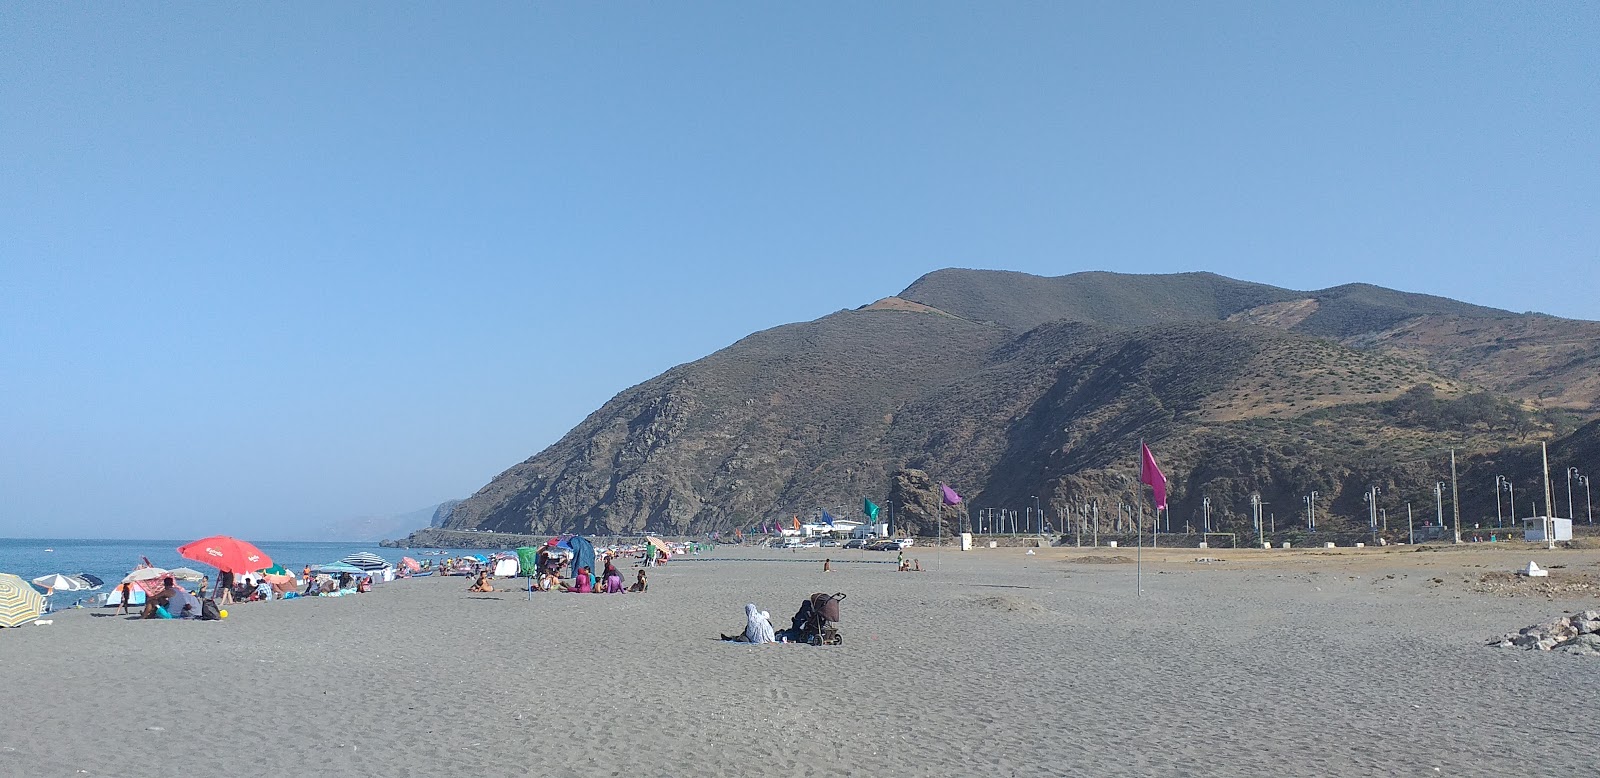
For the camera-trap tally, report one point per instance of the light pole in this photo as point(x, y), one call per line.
point(1255, 514)
point(1438, 497)
point(1572, 472)
point(1039, 525)
point(1499, 521)
point(1371, 498)
point(1311, 511)
point(1512, 503)
point(1588, 506)
point(1205, 514)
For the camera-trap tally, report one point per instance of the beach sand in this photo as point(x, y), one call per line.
point(990, 663)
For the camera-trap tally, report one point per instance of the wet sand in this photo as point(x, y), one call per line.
point(990, 663)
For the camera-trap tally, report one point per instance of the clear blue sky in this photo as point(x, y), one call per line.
point(265, 266)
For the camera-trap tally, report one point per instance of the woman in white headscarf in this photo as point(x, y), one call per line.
point(757, 628)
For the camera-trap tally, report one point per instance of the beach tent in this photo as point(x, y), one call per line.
point(506, 568)
point(19, 602)
point(114, 598)
point(582, 554)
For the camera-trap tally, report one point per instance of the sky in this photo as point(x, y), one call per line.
point(265, 267)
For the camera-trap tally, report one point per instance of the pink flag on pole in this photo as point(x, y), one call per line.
point(1150, 473)
point(950, 496)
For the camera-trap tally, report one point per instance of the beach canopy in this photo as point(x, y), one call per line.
point(226, 554)
point(186, 574)
point(582, 554)
point(275, 570)
point(56, 582)
point(19, 602)
point(336, 568)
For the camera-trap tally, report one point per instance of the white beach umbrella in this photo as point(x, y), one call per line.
point(145, 574)
point(186, 574)
point(56, 582)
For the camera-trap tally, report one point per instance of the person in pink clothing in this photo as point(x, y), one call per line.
point(584, 584)
point(613, 579)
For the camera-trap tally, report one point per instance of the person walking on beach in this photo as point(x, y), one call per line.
point(127, 594)
point(225, 587)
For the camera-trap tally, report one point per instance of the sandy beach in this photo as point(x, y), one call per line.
point(992, 662)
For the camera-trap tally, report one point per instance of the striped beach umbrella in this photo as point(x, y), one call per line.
point(366, 560)
point(19, 602)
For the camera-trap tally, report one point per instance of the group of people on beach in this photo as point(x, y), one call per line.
point(548, 577)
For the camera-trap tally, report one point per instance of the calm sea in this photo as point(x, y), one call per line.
point(30, 558)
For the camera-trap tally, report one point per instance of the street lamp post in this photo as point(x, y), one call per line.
point(1371, 498)
point(1438, 497)
point(1499, 480)
point(1255, 514)
point(1039, 523)
point(1205, 514)
point(1512, 502)
point(1572, 472)
point(1587, 504)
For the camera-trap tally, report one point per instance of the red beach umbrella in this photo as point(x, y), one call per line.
point(227, 554)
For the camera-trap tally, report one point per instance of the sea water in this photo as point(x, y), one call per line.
point(29, 558)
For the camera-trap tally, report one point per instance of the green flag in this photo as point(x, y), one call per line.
point(871, 509)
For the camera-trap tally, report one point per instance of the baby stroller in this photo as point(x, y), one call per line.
point(820, 628)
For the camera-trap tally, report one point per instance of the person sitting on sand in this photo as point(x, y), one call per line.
point(156, 604)
point(482, 584)
point(757, 627)
point(263, 590)
point(827, 565)
point(365, 585)
point(796, 633)
point(584, 583)
point(640, 585)
point(612, 578)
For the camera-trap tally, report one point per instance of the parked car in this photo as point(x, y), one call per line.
point(810, 544)
point(905, 542)
point(883, 545)
point(828, 543)
point(857, 543)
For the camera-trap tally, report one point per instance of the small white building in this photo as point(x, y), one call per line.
point(1533, 529)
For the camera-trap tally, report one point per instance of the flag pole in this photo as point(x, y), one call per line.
point(1138, 555)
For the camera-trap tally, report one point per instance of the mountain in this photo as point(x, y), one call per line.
point(363, 528)
point(1013, 387)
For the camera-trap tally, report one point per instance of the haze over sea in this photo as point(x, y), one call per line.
point(30, 558)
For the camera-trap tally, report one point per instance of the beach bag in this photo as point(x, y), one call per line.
point(209, 611)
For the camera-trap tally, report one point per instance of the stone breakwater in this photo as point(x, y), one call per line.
point(1576, 634)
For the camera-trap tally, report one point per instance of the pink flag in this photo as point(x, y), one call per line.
point(950, 496)
point(1150, 473)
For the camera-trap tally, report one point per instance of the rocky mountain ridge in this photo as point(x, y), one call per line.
point(1011, 387)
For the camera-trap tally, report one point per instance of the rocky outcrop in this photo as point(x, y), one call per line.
point(1577, 634)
